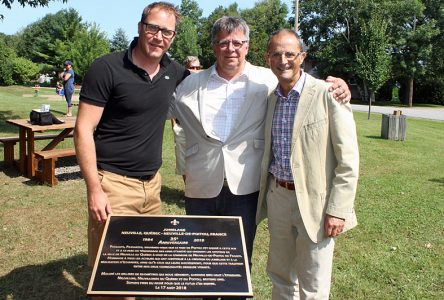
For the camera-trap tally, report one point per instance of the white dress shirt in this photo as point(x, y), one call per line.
point(223, 102)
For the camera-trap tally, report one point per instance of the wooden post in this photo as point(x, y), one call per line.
point(394, 127)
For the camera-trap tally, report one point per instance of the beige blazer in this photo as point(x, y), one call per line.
point(207, 160)
point(324, 159)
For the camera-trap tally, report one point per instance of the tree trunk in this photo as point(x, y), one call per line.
point(410, 87)
point(369, 101)
point(372, 96)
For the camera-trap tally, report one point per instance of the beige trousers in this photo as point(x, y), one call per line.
point(128, 196)
point(298, 267)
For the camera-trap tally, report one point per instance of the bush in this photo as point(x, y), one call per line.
point(25, 71)
point(428, 91)
point(15, 70)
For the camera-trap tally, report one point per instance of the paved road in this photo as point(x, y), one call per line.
point(417, 112)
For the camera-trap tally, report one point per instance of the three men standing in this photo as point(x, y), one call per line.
point(123, 108)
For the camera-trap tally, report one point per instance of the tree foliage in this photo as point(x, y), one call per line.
point(264, 18)
point(191, 10)
point(332, 29)
point(14, 69)
point(87, 45)
point(41, 41)
point(414, 32)
point(57, 37)
point(372, 53)
point(186, 41)
point(430, 87)
point(119, 41)
point(372, 56)
point(32, 3)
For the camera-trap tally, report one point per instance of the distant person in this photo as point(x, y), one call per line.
point(59, 89)
point(192, 63)
point(68, 85)
point(309, 174)
point(36, 90)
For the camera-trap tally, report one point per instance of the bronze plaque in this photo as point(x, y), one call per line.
point(182, 256)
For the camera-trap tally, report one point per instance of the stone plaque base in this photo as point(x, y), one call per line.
point(172, 256)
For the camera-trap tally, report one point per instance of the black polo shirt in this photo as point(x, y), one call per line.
point(128, 138)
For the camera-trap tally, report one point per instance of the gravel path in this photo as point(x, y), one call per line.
point(67, 169)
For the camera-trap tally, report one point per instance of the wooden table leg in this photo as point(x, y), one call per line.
point(58, 139)
point(31, 156)
point(22, 148)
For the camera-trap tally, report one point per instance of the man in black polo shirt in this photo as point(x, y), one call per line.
point(124, 103)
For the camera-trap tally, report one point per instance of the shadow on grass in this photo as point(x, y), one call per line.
point(66, 169)
point(172, 196)
point(9, 171)
point(5, 127)
point(60, 279)
point(374, 137)
point(437, 180)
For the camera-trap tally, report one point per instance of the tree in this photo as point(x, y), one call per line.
point(119, 42)
point(191, 10)
point(13, 69)
point(186, 41)
point(372, 55)
point(61, 36)
point(431, 86)
point(83, 49)
point(41, 40)
point(413, 34)
point(332, 30)
point(24, 70)
point(264, 18)
point(32, 3)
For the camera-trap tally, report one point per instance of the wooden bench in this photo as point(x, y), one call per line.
point(46, 172)
point(9, 143)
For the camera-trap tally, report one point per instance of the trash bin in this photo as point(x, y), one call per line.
point(394, 127)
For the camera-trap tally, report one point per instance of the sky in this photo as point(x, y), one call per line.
point(109, 15)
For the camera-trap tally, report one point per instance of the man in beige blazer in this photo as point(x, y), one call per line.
point(309, 174)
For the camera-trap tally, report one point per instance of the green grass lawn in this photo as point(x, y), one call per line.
point(396, 252)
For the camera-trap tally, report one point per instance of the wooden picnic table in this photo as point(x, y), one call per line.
point(26, 161)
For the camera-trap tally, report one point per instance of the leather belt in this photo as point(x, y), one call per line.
point(144, 177)
point(285, 184)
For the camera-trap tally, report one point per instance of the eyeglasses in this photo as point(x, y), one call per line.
point(224, 44)
point(288, 55)
point(194, 67)
point(154, 29)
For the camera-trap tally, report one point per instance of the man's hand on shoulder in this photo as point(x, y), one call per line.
point(340, 89)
